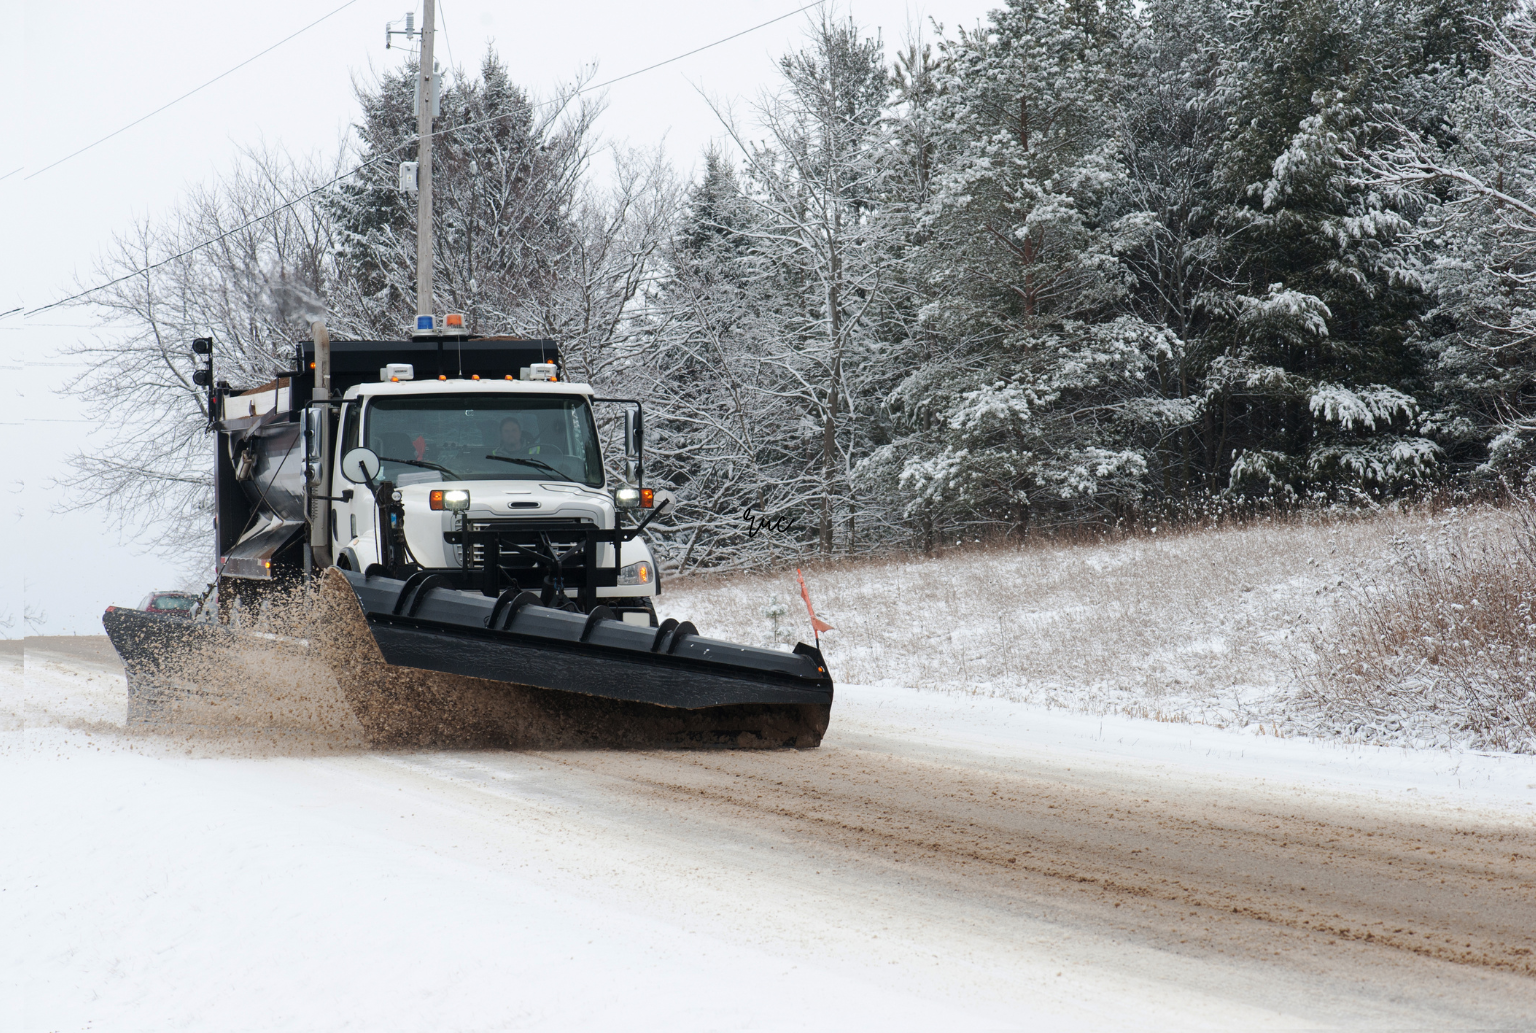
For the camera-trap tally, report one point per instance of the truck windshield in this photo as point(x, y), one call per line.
point(469, 437)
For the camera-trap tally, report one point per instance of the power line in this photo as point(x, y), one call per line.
point(377, 158)
point(190, 92)
point(442, 16)
point(214, 240)
point(707, 46)
point(642, 71)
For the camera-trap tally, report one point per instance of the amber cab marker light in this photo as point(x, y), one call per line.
point(474, 376)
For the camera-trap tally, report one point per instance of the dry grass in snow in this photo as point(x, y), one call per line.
point(1238, 627)
point(1444, 644)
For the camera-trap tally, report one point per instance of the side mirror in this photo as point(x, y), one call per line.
point(631, 437)
point(313, 427)
point(361, 466)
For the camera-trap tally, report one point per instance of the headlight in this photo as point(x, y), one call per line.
point(636, 574)
point(454, 500)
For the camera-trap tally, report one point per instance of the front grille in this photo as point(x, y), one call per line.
point(531, 538)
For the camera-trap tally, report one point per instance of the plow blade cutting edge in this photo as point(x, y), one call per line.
point(420, 664)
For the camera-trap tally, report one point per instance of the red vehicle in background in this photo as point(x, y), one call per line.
point(170, 604)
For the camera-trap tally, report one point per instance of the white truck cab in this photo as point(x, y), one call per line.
point(476, 466)
point(525, 452)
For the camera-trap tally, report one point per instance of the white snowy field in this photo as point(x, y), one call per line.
point(150, 883)
point(1211, 626)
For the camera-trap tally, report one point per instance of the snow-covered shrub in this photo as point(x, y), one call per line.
point(1447, 645)
point(777, 633)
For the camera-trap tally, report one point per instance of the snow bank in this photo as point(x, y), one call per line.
point(1209, 627)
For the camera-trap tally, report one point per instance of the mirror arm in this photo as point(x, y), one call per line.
point(629, 535)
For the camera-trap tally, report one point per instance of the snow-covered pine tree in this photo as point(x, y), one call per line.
point(1459, 149)
point(506, 175)
point(1176, 250)
point(1028, 396)
point(719, 434)
point(1313, 384)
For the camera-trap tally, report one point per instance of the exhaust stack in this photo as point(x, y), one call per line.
point(319, 546)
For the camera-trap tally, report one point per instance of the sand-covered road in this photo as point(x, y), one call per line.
point(962, 860)
point(1198, 869)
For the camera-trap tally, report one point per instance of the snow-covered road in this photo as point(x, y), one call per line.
point(941, 862)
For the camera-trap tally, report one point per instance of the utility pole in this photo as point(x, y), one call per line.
point(424, 305)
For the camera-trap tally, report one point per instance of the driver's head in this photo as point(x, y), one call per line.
point(511, 433)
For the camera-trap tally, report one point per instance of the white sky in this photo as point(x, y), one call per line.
point(93, 67)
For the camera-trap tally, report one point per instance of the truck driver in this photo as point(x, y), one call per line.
point(512, 442)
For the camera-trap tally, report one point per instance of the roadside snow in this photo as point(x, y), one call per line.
point(1211, 627)
point(1494, 786)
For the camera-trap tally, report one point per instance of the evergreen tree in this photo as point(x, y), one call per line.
point(1024, 400)
point(1457, 149)
point(1314, 384)
point(505, 181)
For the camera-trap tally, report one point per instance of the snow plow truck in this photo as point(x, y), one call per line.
point(433, 524)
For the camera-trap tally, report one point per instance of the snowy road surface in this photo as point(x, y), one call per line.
point(941, 862)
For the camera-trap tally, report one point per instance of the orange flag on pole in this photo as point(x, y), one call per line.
point(816, 622)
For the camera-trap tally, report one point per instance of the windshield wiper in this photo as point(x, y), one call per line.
point(535, 463)
point(423, 463)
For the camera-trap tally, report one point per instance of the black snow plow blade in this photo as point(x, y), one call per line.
point(418, 663)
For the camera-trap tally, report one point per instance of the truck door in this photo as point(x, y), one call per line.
point(353, 519)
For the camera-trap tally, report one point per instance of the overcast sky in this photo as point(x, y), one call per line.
point(92, 68)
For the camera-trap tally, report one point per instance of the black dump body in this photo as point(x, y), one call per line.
point(490, 358)
point(423, 664)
